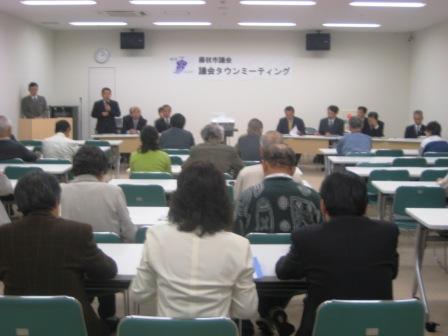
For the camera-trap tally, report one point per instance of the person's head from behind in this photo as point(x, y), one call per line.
point(361, 112)
point(5, 127)
point(278, 159)
point(343, 194)
point(106, 93)
point(166, 111)
point(33, 88)
point(135, 112)
point(255, 127)
point(372, 118)
point(433, 128)
point(418, 117)
point(355, 124)
point(177, 121)
point(201, 203)
point(289, 112)
point(38, 192)
point(90, 160)
point(332, 111)
point(213, 134)
point(63, 126)
point(149, 138)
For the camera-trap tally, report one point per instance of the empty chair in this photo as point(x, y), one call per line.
point(140, 325)
point(409, 162)
point(360, 154)
point(15, 160)
point(384, 175)
point(379, 318)
point(177, 151)
point(176, 160)
point(432, 154)
point(389, 152)
point(144, 195)
point(415, 197)
point(53, 161)
point(150, 176)
point(16, 172)
point(433, 175)
point(269, 238)
point(41, 316)
point(372, 164)
point(441, 163)
point(106, 238)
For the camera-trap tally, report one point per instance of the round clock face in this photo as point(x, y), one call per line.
point(102, 55)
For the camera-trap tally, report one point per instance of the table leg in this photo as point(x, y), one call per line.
point(116, 153)
point(420, 244)
point(327, 165)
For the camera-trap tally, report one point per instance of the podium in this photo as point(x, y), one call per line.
point(39, 128)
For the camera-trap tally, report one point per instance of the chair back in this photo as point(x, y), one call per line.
point(441, 163)
point(97, 143)
point(53, 161)
point(372, 164)
point(162, 326)
point(250, 163)
point(41, 316)
point(360, 154)
point(16, 172)
point(389, 152)
point(15, 160)
point(173, 151)
point(385, 175)
point(433, 175)
point(376, 318)
point(269, 238)
point(144, 195)
point(106, 238)
point(410, 162)
point(150, 176)
point(418, 197)
point(176, 160)
point(432, 154)
point(140, 235)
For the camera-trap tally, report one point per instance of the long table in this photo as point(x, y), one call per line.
point(415, 172)
point(428, 220)
point(128, 142)
point(53, 169)
point(148, 215)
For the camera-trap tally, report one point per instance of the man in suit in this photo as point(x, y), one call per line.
point(376, 126)
point(33, 105)
point(163, 123)
point(176, 137)
point(9, 147)
point(418, 128)
point(105, 111)
point(348, 257)
point(362, 114)
point(134, 122)
point(291, 123)
point(43, 254)
point(331, 125)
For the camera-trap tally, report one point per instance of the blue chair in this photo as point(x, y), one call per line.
point(15, 160)
point(389, 152)
point(433, 175)
point(16, 172)
point(106, 238)
point(144, 195)
point(409, 162)
point(441, 163)
point(150, 176)
point(438, 154)
point(269, 238)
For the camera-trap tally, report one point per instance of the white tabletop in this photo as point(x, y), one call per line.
point(390, 187)
point(169, 186)
point(433, 219)
point(127, 256)
point(333, 151)
point(148, 215)
point(407, 140)
point(115, 135)
point(352, 160)
point(415, 172)
point(54, 169)
point(313, 137)
point(176, 169)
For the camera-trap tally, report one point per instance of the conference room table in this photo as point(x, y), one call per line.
point(142, 216)
point(388, 189)
point(428, 220)
point(414, 172)
point(60, 170)
point(128, 142)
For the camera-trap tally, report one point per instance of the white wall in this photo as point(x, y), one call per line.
point(429, 74)
point(362, 68)
point(26, 54)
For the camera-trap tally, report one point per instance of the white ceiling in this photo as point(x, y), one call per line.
point(225, 14)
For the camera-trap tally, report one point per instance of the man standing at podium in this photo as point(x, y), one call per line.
point(105, 111)
point(33, 105)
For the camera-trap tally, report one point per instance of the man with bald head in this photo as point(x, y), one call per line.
point(10, 148)
point(252, 175)
point(134, 122)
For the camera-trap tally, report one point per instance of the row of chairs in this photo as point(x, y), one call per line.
point(395, 153)
point(406, 162)
point(48, 316)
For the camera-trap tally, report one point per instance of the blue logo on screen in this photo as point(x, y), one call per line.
point(181, 66)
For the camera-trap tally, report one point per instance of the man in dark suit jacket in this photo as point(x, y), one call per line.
point(376, 127)
point(43, 254)
point(9, 147)
point(418, 128)
point(33, 105)
point(362, 114)
point(163, 123)
point(134, 122)
point(348, 257)
point(105, 111)
point(289, 122)
point(331, 125)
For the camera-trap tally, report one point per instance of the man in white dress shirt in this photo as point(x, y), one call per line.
point(60, 146)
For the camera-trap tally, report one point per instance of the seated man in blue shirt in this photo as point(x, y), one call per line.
point(356, 141)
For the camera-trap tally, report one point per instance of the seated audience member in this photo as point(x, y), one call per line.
point(332, 125)
point(348, 257)
point(9, 147)
point(224, 157)
point(134, 122)
point(418, 128)
point(163, 123)
point(361, 113)
point(44, 254)
point(291, 124)
point(149, 157)
point(376, 127)
point(253, 175)
point(6, 189)
point(60, 146)
point(248, 146)
point(433, 141)
point(176, 137)
point(276, 205)
point(354, 142)
point(196, 279)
